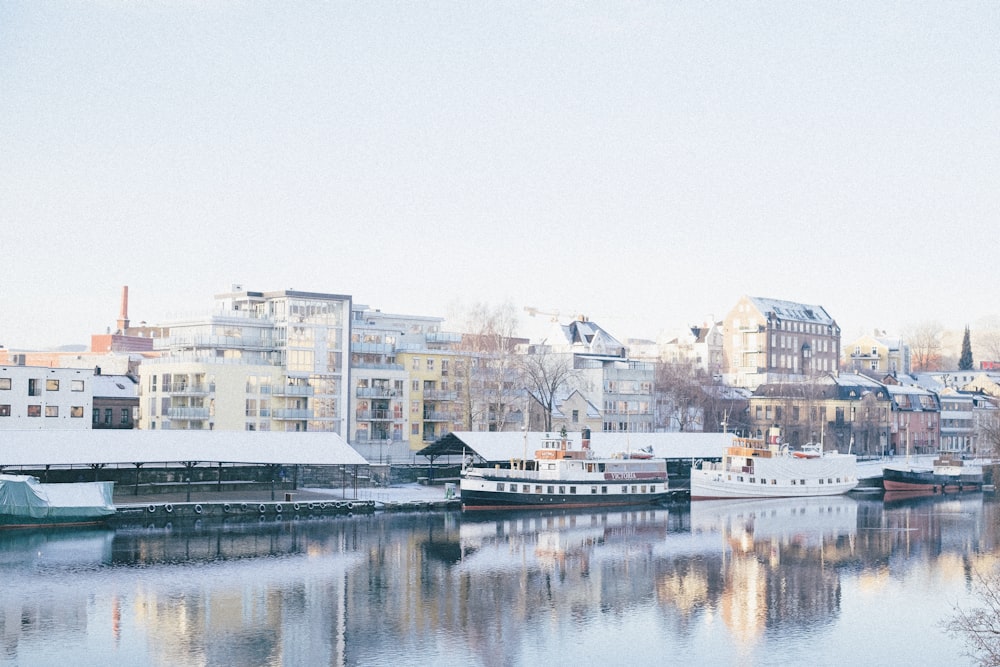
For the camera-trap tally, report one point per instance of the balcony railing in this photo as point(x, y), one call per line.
point(292, 390)
point(434, 416)
point(178, 389)
point(187, 413)
point(440, 395)
point(375, 392)
point(291, 414)
point(377, 415)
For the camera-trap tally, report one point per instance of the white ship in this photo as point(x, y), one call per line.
point(753, 468)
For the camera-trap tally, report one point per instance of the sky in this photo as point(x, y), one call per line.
point(643, 163)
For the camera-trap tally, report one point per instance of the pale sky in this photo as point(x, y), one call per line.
point(643, 163)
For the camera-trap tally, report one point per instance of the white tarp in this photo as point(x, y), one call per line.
point(24, 499)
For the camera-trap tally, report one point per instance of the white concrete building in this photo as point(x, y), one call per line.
point(41, 398)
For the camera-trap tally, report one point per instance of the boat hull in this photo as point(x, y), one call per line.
point(786, 478)
point(27, 503)
point(485, 493)
point(926, 481)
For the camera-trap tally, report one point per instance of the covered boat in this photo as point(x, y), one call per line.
point(753, 468)
point(24, 501)
point(561, 476)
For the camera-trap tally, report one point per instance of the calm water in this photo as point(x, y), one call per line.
point(824, 581)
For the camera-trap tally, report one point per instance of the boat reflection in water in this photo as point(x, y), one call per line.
point(779, 559)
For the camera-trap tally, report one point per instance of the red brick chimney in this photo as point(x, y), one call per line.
point(123, 315)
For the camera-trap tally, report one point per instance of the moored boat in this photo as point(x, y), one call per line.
point(26, 502)
point(948, 475)
point(754, 468)
point(562, 476)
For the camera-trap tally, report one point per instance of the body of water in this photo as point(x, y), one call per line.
point(822, 581)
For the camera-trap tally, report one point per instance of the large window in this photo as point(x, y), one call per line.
point(4, 411)
point(5, 383)
point(76, 385)
point(34, 411)
point(52, 385)
point(51, 410)
point(76, 411)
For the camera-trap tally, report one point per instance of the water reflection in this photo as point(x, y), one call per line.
point(721, 582)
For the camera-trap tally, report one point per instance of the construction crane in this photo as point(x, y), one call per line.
point(553, 315)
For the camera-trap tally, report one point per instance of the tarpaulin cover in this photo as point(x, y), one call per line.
point(23, 497)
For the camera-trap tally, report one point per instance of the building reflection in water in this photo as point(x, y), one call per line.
point(451, 587)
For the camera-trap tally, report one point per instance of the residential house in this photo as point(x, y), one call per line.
point(877, 355)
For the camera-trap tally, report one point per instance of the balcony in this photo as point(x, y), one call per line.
point(375, 392)
point(435, 416)
point(188, 413)
point(292, 390)
point(377, 415)
point(293, 414)
point(440, 395)
point(178, 389)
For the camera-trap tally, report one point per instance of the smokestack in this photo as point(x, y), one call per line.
point(123, 315)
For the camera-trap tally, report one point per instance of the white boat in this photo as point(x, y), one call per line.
point(26, 502)
point(561, 476)
point(753, 468)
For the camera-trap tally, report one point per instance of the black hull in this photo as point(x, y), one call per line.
point(497, 500)
point(928, 482)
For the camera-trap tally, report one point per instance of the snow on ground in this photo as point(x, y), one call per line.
point(398, 493)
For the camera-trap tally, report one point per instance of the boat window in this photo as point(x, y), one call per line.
point(499, 486)
point(562, 489)
point(593, 489)
point(634, 489)
point(572, 489)
point(604, 489)
point(551, 489)
point(538, 488)
point(643, 489)
point(821, 480)
point(600, 467)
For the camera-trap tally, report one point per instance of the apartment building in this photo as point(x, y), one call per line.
point(770, 340)
point(382, 344)
point(270, 361)
point(36, 398)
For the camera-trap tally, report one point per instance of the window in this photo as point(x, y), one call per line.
point(107, 416)
point(34, 387)
point(5, 383)
point(34, 411)
point(430, 364)
point(52, 385)
point(415, 364)
point(4, 411)
point(575, 417)
point(51, 410)
point(97, 416)
point(124, 417)
point(76, 385)
point(76, 412)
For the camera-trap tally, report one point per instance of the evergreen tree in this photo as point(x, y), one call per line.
point(965, 361)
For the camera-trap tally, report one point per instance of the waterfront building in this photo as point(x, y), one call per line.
point(847, 412)
point(42, 398)
point(381, 387)
point(435, 408)
point(269, 361)
point(770, 340)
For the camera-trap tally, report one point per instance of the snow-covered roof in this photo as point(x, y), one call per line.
point(114, 386)
point(790, 310)
point(493, 446)
point(85, 447)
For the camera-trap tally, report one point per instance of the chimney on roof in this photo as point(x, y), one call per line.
point(123, 315)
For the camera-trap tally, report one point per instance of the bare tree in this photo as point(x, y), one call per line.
point(987, 341)
point(545, 375)
point(979, 627)
point(925, 345)
point(680, 398)
point(490, 372)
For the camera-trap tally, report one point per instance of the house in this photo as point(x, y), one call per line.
point(877, 354)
